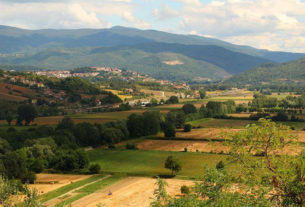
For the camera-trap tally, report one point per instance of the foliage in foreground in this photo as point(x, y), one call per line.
point(12, 191)
point(264, 175)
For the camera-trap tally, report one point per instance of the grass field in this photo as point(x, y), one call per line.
point(221, 123)
point(85, 117)
point(151, 163)
point(64, 189)
point(89, 189)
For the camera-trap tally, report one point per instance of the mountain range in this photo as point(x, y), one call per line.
point(159, 54)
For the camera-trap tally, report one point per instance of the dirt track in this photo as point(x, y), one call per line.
point(132, 191)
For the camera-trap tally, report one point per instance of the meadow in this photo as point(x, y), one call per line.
point(151, 163)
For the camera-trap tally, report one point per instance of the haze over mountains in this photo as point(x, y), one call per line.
point(159, 54)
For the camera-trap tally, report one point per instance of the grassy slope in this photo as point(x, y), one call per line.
point(67, 188)
point(90, 189)
point(151, 163)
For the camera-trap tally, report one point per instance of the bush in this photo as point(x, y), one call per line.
point(131, 146)
point(94, 168)
point(185, 190)
point(111, 146)
point(220, 165)
point(187, 128)
point(29, 177)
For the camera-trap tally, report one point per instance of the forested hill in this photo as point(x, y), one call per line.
point(291, 73)
point(159, 54)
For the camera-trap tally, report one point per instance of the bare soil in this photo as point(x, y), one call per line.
point(174, 145)
point(132, 191)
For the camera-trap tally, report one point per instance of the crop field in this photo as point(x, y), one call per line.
point(131, 191)
point(8, 97)
point(151, 163)
point(221, 123)
point(117, 92)
point(78, 118)
point(205, 133)
point(181, 145)
point(240, 115)
point(14, 89)
point(158, 94)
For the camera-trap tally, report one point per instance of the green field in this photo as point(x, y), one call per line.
point(221, 123)
point(151, 163)
point(67, 188)
point(89, 189)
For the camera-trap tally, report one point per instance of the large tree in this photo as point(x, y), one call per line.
point(172, 164)
point(27, 113)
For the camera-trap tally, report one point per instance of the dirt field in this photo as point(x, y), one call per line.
point(173, 145)
point(241, 115)
point(205, 133)
point(202, 146)
point(132, 191)
point(49, 182)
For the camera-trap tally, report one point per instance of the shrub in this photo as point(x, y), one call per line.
point(111, 146)
point(185, 190)
point(94, 168)
point(29, 177)
point(131, 146)
point(220, 165)
point(187, 128)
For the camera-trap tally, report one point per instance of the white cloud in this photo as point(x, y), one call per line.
point(129, 17)
point(270, 24)
point(165, 13)
point(35, 14)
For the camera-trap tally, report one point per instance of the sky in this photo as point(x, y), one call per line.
point(265, 24)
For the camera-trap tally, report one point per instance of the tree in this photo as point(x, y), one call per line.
point(202, 94)
point(9, 118)
point(86, 134)
point(135, 125)
point(169, 130)
point(173, 100)
point(284, 173)
point(172, 164)
point(27, 113)
point(29, 177)
point(66, 123)
point(189, 108)
point(281, 116)
point(187, 128)
point(151, 122)
point(180, 120)
point(95, 168)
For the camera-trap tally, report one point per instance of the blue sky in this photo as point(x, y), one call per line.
point(267, 24)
